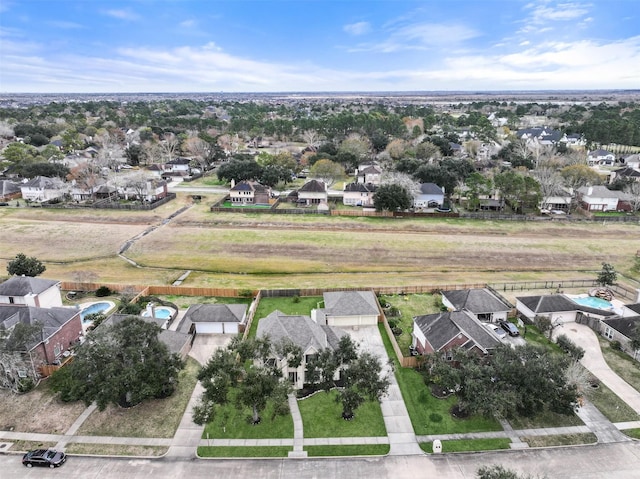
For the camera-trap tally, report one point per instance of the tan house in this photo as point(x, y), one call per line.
point(28, 291)
point(305, 333)
point(348, 308)
point(313, 192)
point(250, 193)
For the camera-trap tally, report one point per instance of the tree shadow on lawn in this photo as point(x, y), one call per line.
point(231, 422)
point(430, 415)
point(322, 417)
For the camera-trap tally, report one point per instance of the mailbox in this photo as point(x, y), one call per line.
point(437, 446)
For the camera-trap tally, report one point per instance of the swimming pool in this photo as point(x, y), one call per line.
point(161, 312)
point(593, 302)
point(100, 307)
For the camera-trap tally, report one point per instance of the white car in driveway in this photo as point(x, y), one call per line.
point(497, 330)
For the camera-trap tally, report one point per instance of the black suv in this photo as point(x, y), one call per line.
point(510, 328)
point(44, 458)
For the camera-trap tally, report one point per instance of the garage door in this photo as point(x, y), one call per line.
point(209, 328)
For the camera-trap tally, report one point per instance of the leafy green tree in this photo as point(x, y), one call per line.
point(392, 197)
point(521, 381)
point(123, 364)
point(22, 265)
point(363, 381)
point(327, 171)
point(242, 371)
point(607, 276)
point(476, 186)
point(239, 170)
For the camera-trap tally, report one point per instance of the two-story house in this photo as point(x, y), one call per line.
point(313, 192)
point(305, 333)
point(249, 193)
point(369, 174)
point(41, 189)
point(359, 194)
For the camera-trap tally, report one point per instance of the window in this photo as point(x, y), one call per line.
point(57, 350)
point(11, 300)
point(449, 355)
point(293, 377)
point(608, 332)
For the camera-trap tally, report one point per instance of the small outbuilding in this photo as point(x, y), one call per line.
point(217, 318)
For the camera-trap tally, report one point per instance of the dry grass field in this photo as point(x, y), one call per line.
point(258, 250)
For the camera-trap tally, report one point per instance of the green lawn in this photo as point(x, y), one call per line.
point(244, 451)
point(348, 450)
point(321, 417)
point(410, 305)
point(561, 440)
point(634, 433)
point(231, 422)
point(609, 404)
point(430, 415)
point(621, 363)
point(469, 445)
point(535, 337)
point(545, 419)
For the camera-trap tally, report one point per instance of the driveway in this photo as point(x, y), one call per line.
point(205, 345)
point(586, 338)
point(402, 438)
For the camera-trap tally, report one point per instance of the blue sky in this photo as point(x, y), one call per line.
point(317, 45)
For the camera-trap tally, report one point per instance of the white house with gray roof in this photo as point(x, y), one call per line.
point(216, 318)
point(481, 302)
point(28, 291)
point(348, 308)
point(302, 331)
point(557, 307)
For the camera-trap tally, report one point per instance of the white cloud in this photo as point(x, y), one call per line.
point(188, 24)
point(542, 14)
point(550, 65)
point(121, 14)
point(421, 36)
point(359, 28)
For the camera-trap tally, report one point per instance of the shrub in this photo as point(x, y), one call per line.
point(569, 347)
point(393, 312)
point(245, 293)
point(103, 291)
point(396, 331)
point(296, 299)
point(26, 384)
point(616, 345)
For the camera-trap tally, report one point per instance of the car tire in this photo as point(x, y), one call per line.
point(28, 464)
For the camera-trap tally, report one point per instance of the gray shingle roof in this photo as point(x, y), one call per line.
point(350, 303)
point(477, 301)
point(216, 313)
point(52, 319)
point(301, 330)
point(24, 285)
point(625, 326)
point(634, 307)
point(557, 302)
point(360, 188)
point(313, 186)
point(437, 328)
point(441, 328)
point(249, 186)
point(430, 189)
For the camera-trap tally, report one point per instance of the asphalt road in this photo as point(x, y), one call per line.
point(610, 461)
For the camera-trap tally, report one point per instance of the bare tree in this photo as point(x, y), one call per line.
point(86, 176)
point(550, 183)
point(311, 138)
point(633, 190)
point(199, 150)
point(136, 185)
point(405, 181)
point(169, 146)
